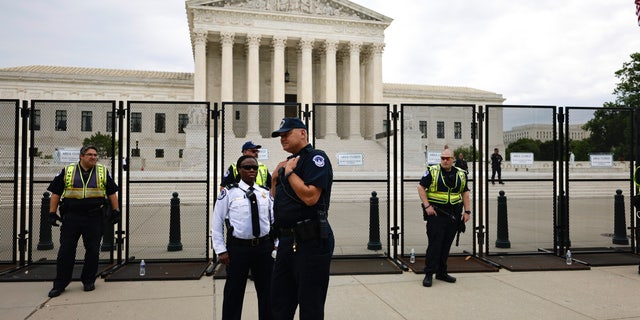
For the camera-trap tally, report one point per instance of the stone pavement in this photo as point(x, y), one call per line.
point(599, 293)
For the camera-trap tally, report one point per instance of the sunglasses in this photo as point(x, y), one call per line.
point(247, 167)
point(445, 158)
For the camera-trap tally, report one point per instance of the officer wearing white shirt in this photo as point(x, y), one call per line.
point(246, 210)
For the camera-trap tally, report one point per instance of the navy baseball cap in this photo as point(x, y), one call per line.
point(287, 124)
point(250, 145)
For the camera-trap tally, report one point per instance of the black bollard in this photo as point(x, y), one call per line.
point(174, 226)
point(45, 242)
point(619, 224)
point(374, 223)
point(502, 241)
point(107, 230)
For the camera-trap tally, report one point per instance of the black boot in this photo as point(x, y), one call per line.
point(445, 277)
point(428, 280)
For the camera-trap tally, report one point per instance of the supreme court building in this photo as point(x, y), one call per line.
point(304, 51)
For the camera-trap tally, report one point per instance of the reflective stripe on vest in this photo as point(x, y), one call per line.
point(636, 176)
point(261, 175)
point(440, 192)
point(76, 188)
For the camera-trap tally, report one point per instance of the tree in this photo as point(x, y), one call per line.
point(524, 145)
point(103, 142)
point(611, 126)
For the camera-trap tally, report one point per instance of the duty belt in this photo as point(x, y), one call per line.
point(303, 230)
point(250, 242)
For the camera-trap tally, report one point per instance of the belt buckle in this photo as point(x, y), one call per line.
point(255, 242)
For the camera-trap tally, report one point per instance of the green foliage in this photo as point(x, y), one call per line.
point(103, 142)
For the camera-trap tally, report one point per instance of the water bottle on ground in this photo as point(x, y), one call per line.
point(143, 268)
point(569, 261)
point(412, 256)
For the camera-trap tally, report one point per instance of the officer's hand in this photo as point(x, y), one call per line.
point(116, 216)
point(224, 258)
point(54, 218)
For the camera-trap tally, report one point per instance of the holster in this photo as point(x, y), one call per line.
point(306, 230)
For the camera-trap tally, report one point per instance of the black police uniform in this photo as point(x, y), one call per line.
point(301, 269)
point(246, 252)
point(441, 228)
point(496, 162)
point(80, 217)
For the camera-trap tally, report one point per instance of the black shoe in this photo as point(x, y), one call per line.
point(501, 182)
point(445, 277)
point(428, 280)
point(55, 292)
point(493, 183)
point(89, 286)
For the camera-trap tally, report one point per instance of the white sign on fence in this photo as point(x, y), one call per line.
point(521, 158)
point(601, 160)
point(66, 155)
point(350, 159)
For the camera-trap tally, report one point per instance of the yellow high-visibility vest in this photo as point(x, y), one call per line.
point(77, 188)
point(440, 192)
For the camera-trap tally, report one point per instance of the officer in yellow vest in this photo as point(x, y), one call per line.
point(444, 193)
point(263, 177)
point(82, 190)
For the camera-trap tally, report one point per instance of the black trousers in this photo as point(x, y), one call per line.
point(74, 225)
point(301, 278)
point(441, 230)
point(495, 170)
point(242, 259)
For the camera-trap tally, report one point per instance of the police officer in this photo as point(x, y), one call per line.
point(81, 190)
point(246, 209)
point(301, 202)
point(263, 178)
point(496, 166)
point(443, 192)
point(461, 162)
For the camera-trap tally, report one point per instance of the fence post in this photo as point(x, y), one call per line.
point(174, 225)
point(107, 231)
point(619, 224)
point(45, 242)
point(374, 223)
point(502, 240)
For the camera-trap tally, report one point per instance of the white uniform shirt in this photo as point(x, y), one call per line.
point(234, 204)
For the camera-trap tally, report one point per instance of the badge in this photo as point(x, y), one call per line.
point(318, 160)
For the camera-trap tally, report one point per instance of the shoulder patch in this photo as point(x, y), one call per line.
point(227, 173)
point(223, 193)
point(318, 160)
point(426, 173)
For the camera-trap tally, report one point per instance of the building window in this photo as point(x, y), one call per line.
point(87, 121)
point(159, 153)
point(423, 128)
point(109, 121)
point(183, 121)
point(35, 120)
point(135, 153)
point(457, 130)
point(160, 122)
point(61, 120)
point(385, 126)
point(440, 128)
point(136, 122)
point(180, 153)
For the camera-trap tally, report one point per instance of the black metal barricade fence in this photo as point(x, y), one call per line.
point(9, 181)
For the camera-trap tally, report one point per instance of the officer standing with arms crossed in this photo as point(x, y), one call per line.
point(443, 192)
point(263, 178)
point(81, 189)
point(246, 209)
point(301, 202)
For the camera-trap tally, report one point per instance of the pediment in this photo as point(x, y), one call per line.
point(322, 8)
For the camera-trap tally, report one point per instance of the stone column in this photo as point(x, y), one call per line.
point(330, 89)
point(226, 77)
point(200, 63)
point(253, 83)
point(305, 73)
point(277, 79)
point(376, 73)
point(354, 89)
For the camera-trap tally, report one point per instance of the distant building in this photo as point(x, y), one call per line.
point(542, 132)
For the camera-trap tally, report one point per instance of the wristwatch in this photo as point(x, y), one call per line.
point(467, 211)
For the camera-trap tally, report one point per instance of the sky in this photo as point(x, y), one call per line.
point(540, 52)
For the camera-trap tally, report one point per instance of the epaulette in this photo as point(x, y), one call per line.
point(231, 185)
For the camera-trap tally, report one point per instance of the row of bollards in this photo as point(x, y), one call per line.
point(45, 237)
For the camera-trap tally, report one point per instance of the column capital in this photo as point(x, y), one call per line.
point(200, 36)
point(278, 42)
point(306, 43)
point(355, 46)
point(253, 40)
point(330, 45)
point(227, 38)
point(378, 47)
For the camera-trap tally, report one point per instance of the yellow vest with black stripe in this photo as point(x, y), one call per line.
point(261, 175)
point(76, 188)
point(440, 192)
point(636, 176)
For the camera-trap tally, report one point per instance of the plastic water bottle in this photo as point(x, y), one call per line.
point(569, 261)
point(412, 256)
point(143, 268)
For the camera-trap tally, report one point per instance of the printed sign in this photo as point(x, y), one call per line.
point(521, 158)
point(66, 155)
point(601, 160)
point(350, 159)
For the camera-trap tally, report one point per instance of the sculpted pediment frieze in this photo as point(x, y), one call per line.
point(326, 8)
